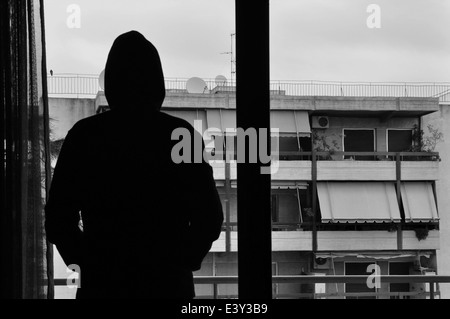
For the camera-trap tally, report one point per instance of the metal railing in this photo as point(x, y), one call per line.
point(216, 281)
point(87, 85)
point(337, 155)
point(367, 156)
point(73, 85)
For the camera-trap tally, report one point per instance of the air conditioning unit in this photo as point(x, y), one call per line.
point(322, 263)
point(320, 122)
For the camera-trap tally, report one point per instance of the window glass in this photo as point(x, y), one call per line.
point(359, 141)
point(399, 140)
point(357, 269)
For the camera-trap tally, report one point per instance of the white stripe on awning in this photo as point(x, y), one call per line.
point(191, 116)
point(290, 122)
point(358, 202)
point(418, 202)
point(302, 121)
point(213, 119)
point(221, 119)
point(228, 120)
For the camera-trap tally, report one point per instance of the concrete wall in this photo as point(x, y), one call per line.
point(441, 120)
point(65, 112)
point(310, 103)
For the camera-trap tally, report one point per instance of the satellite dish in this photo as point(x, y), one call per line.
point(101, 80)
point(221, 80)
point(196, 85)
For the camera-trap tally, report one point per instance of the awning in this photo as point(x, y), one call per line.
point(221, 119)
point(293, 122)
point(419, 202)
point(358, 202)
point(289, 123)
point(191, 116)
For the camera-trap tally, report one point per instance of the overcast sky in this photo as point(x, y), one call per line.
point(325, 40)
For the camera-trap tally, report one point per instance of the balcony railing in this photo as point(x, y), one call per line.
point(366, 156)
point(86, 85)
point(216, 281)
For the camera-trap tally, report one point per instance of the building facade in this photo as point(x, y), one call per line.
point(361, 181)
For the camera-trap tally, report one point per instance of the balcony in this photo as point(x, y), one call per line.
point(375, 240)
point(385, 166)
point(302, 233)
point(429, 283)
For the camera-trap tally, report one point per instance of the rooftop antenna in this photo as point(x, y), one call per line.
point(232, 58)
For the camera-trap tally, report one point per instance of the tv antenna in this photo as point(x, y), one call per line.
point(232, 58)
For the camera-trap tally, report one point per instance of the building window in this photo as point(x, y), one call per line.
point(274, 208)
point(358, 269)
point(399, 140)
point(287, 144)
point(291, 143)
point(285, 209)
point(399, 268)
point(359, 140)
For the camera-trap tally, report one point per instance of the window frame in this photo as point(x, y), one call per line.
point(368, 274)
point(398, 129)
point(360, 129)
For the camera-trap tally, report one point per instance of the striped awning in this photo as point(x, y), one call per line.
point(293, 122)
point(290, 123)
point(418, 202)
point(358, 202)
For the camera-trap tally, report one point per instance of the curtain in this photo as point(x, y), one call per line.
point(26, 266)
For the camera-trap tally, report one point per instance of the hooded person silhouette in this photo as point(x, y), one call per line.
point(147, 222)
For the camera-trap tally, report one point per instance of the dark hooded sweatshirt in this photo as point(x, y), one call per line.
point(148, 222)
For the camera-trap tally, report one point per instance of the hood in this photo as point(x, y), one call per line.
point(134, 79)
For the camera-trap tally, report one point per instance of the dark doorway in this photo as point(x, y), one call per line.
point(359, 141)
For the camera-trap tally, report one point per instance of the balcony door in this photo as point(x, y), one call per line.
point(399, 140)
point(359, 140)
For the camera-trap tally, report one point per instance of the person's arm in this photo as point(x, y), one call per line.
point(205, 210)
point(64, 202)
point(206, 216)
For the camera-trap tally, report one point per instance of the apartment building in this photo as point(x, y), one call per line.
point(356, 186)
